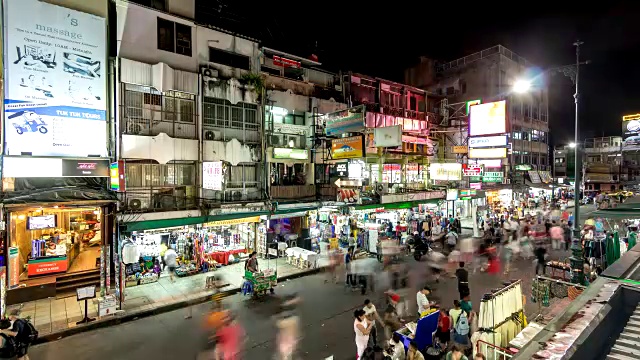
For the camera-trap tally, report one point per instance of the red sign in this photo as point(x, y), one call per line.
point(471, 170)
point(284, 62)
point(476, 186)
point(47, 267)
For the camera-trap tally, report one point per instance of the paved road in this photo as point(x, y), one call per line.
point(326, 315)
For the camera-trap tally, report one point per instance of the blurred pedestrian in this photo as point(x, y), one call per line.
point(229, 339)
point(391, 320)
point(287, 323)
point(414, 353)
point(362, 329)
point(443, 332)
point(371, 313)
point(456, 353)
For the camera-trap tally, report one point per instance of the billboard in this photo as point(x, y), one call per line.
point(490, 153)
point(472, 170)
point(488, 119)
point(488, 141)
point(212, 175)
point(445, 171)
point(388, 136)
point(55, 81)
point(347, 148)
point(631, 132)
point(345, 121)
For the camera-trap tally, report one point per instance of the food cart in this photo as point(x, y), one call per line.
point(258, 283)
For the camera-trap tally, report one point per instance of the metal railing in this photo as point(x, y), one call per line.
point(493, 352)
point(292, 191)
point(498, 49)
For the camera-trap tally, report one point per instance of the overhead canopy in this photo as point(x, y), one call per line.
point(618, 213)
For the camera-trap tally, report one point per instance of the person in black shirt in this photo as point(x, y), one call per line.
point(463, 280)
point(18, 332)
point(540, 253)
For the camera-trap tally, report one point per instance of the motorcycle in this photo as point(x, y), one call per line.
point(421, 248)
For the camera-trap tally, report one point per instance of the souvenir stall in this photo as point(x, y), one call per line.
point(326, 222)
point(500, 319)
point(227, 241)
point(421, 331)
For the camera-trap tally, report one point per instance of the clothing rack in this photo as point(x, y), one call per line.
point(499, 292)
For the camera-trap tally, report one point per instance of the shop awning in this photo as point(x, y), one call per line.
point(398, 205)
point(167, 223)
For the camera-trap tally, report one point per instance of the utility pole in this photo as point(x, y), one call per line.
point(577, 149)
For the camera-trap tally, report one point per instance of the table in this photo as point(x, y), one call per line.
point(222, 257)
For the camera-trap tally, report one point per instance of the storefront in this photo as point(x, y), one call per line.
point(200, 248)
point(49, 246)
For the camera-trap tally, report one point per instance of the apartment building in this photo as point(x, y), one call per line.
point(603, 164)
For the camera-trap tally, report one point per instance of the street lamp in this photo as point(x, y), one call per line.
point(572, 145)
point(521, 86)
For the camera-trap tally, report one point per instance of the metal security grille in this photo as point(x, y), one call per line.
point(224, 121)
point(146, 111)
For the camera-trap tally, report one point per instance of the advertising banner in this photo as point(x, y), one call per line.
point(344, 121)
point(212, 175)
point(492, 177)
point(488, 141)
point(14, 266)
point(291, 154)
point(85, 168)
point(488, 119)
point(445, 171)
point(488, 153)
point(347, 148)
point(47, 266)
point(534, 176)
point(631, 132)
point(339, 169)
point(388, 136)
point(460, 149)
point(55, 81)
point(349, 196)
point(472, 170)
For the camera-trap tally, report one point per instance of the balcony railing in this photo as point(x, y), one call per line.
point(293, 191)
point(159, 199)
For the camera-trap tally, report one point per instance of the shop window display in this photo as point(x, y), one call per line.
point(199, 250)
point(53, 241)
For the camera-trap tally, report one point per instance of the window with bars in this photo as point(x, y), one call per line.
point(145, 175)
point(242, 176)
point(221, 113)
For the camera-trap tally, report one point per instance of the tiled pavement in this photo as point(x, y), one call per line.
point(51, 316)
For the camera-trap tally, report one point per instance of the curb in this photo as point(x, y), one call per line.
point(127, 317)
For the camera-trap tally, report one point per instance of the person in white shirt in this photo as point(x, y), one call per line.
point(371, 315)
point(397, 348)
point(170, 260)
point(422, 301)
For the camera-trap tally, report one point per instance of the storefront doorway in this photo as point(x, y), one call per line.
point(53, 250)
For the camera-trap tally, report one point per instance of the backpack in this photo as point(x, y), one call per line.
point(452, 240)
point(462, 325)
point(10, 347)
point(29, 333)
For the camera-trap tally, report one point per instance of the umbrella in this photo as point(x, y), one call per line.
point(609, 251)
point(616, 245)
point(633, 237)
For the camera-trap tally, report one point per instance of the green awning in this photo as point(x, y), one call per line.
point(167, 223)
point(398, 205)
point(617, 213)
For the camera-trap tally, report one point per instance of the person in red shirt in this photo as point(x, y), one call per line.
point(443, 334)
point(229, 339)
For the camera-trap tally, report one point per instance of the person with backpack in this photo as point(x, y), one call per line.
point(8, 345)
point(461, 331)
point(23, 331)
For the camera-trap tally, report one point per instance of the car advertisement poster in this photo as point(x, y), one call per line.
point(55, 81)
point(347, 148)
point(631, 132)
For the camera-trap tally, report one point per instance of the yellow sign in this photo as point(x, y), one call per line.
point(631, 117)
point(252, 219)
point(346, 148)
point(459, 149)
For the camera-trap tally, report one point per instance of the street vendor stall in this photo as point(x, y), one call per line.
point(421, 331)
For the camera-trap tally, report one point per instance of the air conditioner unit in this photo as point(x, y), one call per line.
point(293, 141)
point(138, 203)
point(208, 72)
point(382, 188)
point(212, 135)
point(276, 140)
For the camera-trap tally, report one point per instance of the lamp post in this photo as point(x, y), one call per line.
point(578, 159)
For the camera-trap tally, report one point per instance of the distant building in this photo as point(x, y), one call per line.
point(489, 75)
point(602, 164)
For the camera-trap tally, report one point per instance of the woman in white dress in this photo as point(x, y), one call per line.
point(362, 328)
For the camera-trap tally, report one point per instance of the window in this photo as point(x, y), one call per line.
point(154, 4)
point(242, 176)
point(463, 86)
point(174, 37)
point(221, 113)
point(230, 59)
point(294, 119)
point(159, 175)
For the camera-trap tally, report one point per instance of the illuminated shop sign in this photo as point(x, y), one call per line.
point(488, 141)
point(488, 119)
point(488, 153)
point(288, 153)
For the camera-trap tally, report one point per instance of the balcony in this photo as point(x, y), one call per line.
point(159, 199)
point(293, 191)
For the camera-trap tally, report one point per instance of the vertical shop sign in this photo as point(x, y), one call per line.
point(3, 291)
point(14, 266)
point(107, 263)
point(102, 280)
point(212, 175)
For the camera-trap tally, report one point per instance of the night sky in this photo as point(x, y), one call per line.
point(382, 38)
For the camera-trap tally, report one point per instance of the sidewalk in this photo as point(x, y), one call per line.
point(468, 224)
point(56, 318)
